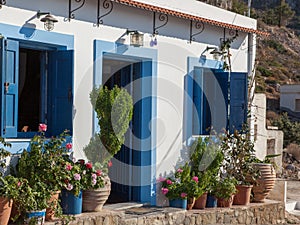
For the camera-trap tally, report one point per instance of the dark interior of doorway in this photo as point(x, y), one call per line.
point(29, 90)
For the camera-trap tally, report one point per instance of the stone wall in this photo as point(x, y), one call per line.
point(270, 212)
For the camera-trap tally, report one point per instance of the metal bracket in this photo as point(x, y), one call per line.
point(162, 18)
point(108, 5)
point(2, 2)
point(71, 11)
point(199, 26)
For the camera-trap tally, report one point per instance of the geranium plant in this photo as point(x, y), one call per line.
point(182, 185)
point(92, 178)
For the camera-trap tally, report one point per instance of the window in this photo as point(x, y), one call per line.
point(297, 105)
point(37, 86)
point(211, 96)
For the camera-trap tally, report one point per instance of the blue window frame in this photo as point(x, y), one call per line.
point(215, 99)
point(36, 87)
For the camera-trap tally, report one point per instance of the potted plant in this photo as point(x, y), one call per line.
point(224, 191)
point(265, 181)
point(114, 108)
point(32, 201)
point(180, 187)
point(44, 163)
point(238, 150)
point(206, 158)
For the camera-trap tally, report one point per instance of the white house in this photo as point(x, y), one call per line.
point(290, 98)
point(179, 87)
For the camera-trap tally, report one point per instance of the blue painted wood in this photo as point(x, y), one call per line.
point(9, 76)
point(144, 189)
point(60, 79)
point(238, 100)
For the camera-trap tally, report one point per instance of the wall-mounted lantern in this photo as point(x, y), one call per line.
point(136, 38)
point(48, 20)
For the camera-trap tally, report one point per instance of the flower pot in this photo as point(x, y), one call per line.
point(70, 203)
point(242, 197)
point(201, 201)
point(190, 203)
point(35, 217)
point(93, 200)
point(225, 203)
point(265, 183)
point(50, 212)
point(5, 210)
point(211, 201)
point(178, 203)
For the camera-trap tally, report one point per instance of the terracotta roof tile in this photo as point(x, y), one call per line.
point(188, 16)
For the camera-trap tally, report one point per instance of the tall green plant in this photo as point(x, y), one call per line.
point(114, 110)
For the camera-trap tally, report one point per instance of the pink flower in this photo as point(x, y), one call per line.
point(89, 165)
point(77, 176)
point(164, 191)
point(19, 184)
point(94, 181)
point(42, 127)
point(69, 187)
point(69, 167)
point(169, 182)
point(98, 173)
point(179, 170)
point(109, 164)
point(183, 195)
point(195, 179)
point(69, 146)
point(94, 176)
point(161, 179)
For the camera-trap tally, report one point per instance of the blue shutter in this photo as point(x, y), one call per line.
point(197, 101)
point(222, 78)
point(238, 100)
point(60, 91)
point(9, 95)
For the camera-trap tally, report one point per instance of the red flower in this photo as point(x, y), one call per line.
point(81, 161)
point(69, 146)
point(109, 164)
point(66, 181)
point(89, 165)
point(98, 173)
point(42, 127)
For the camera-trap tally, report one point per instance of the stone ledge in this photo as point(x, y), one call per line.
point(270, 212)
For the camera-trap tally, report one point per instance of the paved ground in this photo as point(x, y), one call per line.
point(293, 194)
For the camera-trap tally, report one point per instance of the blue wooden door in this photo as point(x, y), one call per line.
point(9, 87)
point(60, 79)
point(238, 100)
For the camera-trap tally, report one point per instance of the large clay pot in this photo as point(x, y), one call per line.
point(93, 200)
point(200, 202)
point(5, 210)
point(265, 183)
point(225, 202)
point(242, 197)
point(50, 212)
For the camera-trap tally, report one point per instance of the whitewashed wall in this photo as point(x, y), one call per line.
point(288, 96)
point(173, 51)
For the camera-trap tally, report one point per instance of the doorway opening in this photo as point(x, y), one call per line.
point(123, 73)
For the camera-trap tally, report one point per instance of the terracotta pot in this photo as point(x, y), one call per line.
point(5, 210)
point(50, 212)
point(190, 203)
point(265, 183)
point(200, 202)
point(225, 202)
point(93, 200)
point(242, 197)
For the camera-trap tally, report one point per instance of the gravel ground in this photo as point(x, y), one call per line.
point(293, 194)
